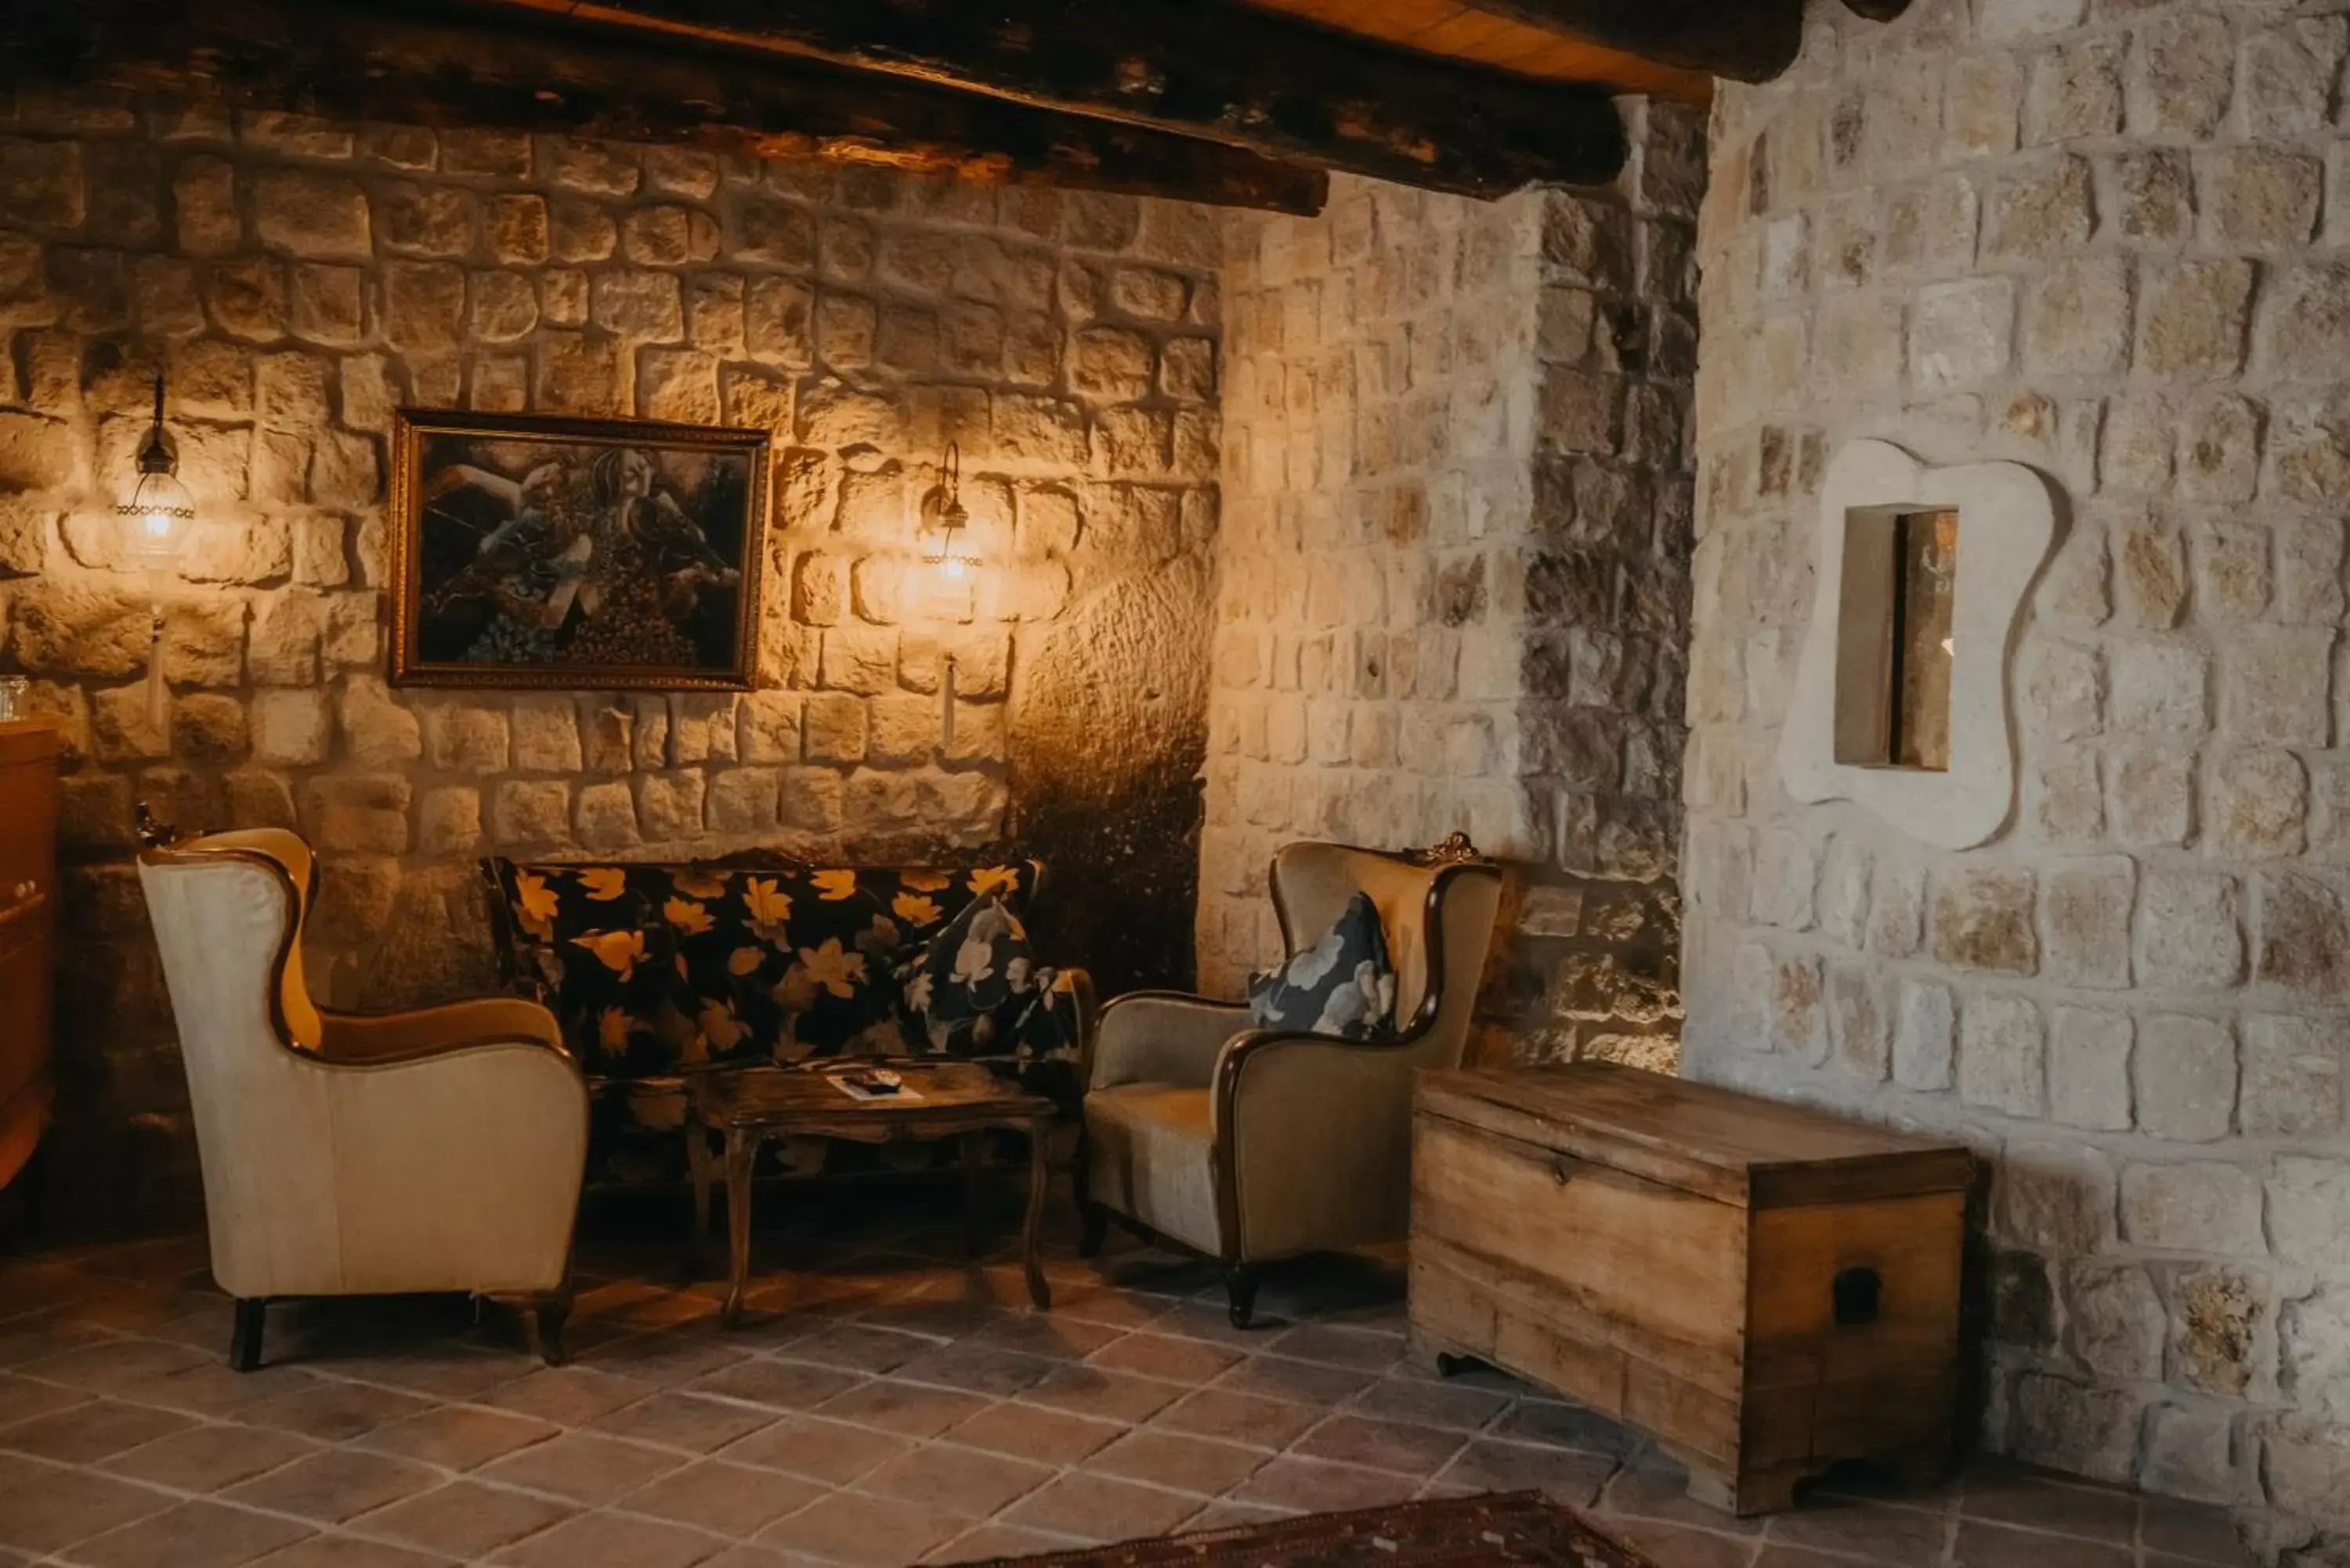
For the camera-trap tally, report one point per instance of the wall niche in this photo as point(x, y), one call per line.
point(1894, 642)
point(1900, 702)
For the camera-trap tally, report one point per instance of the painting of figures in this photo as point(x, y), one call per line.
point(531, 550)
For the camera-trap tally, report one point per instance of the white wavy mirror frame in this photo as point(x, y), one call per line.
point(2006, 524)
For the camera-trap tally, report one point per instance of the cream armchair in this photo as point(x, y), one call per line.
point(1249, 1144)
point(349, 1153)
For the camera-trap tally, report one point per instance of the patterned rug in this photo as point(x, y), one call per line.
point(1516, 1528)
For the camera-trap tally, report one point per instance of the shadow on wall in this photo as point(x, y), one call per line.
point(1582, 969)
point(1108, 736)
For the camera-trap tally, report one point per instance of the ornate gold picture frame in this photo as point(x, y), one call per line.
point(536, 550)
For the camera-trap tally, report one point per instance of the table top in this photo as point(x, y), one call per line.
point(958, 1092)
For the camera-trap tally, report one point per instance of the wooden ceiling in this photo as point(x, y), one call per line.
point(1483, 36)
point(1248, 102)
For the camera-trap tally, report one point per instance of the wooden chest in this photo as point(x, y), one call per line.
point(29, 867)
point(1761, 1288)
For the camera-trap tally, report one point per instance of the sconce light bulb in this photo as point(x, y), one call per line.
point(158, 511)
point(157, 518)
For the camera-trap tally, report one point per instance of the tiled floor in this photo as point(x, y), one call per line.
point(891, 1405)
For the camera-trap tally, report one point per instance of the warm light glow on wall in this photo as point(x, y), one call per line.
point(945, 525)
point(942, 531)
point(156, 517)
point(158, 511)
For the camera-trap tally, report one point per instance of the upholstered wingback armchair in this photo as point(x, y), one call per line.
point(356, 1154)
point(1250, 1144)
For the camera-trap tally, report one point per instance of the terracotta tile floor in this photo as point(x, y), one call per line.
point(891, 1403)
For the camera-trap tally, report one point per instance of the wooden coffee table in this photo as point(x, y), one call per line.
point(959, 1099)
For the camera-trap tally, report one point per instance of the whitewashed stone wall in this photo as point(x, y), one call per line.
point(2101, 238)
point(1452, 581)
point(299, 279)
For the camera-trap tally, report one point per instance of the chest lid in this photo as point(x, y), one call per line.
point(1734, 1149)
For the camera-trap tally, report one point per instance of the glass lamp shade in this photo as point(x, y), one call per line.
point(946, 535)
point(944, 531)
point(947, 548)
point(156, 518)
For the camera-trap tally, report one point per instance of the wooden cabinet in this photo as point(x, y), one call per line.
point(1763, 1288)
point(28, 870)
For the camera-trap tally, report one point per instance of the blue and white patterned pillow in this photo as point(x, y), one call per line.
point(1342, 986)
point(966, 990)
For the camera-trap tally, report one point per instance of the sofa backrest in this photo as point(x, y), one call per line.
point(655, 967)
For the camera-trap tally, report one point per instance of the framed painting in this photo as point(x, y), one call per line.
point(537, 550)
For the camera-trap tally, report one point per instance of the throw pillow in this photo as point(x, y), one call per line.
point(965, 991)
point(1342, 986)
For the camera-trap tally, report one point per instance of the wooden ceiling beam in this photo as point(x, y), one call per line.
point(1227, 73)
point(473, 69)
point(1745, 40)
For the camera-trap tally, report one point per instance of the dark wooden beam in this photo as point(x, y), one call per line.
point(1242, 76)
point(519, 71)
point(1745, 40)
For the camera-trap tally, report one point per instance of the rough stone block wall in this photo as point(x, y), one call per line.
point(1453, 577)
point(298, 280)
point(2102, 239)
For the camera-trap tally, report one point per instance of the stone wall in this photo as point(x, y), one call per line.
point(2100, 238)
point(1451, 583)
point(298, 280)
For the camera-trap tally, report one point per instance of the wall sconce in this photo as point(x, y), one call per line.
point(944, 535)
point(155, 521)
point(945, 529)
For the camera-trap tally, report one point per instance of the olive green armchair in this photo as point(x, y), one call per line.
point(1248, 1145)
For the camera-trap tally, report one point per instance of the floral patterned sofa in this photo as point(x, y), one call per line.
point(657, 971)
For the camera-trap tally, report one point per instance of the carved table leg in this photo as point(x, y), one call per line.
point(697, 1161)
point(1040, 1177)
point(974, 1149)
point(741, 1150)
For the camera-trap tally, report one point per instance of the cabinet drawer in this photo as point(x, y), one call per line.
point(1620, 1260)
point(24, 1001)
point(29, 829)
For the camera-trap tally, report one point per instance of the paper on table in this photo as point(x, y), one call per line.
point(904, 1092)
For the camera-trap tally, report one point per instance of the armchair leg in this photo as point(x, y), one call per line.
point(1240, 1287)
point(244, 1336)
point(547, 1312)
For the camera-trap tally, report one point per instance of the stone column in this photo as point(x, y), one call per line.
point(1453, 573)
